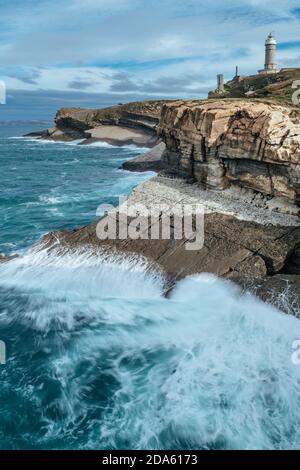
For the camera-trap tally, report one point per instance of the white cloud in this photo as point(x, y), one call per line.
point(82, 43)
point(92, 79)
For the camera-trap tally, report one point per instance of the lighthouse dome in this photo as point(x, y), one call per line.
point(270, 40)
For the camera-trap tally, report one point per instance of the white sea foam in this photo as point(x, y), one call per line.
point(132, 148)
point(18, 138)
point(114, 364)
point(223, 375)
point(47, 141)
point(33, 139)
point(72, 142)
point(80, 278)
point(207, 368)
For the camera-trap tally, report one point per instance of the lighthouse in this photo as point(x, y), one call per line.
point(270, 60)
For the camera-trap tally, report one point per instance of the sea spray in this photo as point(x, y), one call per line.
point(100, 359)
point(104, 145)
point(80, 276)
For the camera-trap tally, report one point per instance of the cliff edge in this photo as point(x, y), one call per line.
point(124, 124)
point(246, 144)
point(274, 88)
point(238, 158)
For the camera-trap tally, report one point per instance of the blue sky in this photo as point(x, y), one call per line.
point(83, 51)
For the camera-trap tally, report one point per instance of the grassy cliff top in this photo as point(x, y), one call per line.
point(276, 88)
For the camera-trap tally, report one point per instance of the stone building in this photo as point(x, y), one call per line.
point(220, 83)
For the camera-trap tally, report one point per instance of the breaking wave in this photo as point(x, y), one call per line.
point(100, 359)
point(105, 145)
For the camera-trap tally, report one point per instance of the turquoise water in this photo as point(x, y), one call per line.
point(47, 186)
point(97, 358)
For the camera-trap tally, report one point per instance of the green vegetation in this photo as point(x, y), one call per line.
point(276, 88)
point(150, 108)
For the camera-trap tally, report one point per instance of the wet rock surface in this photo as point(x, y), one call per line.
point(150, 161)
point(243, 251)
point(5, 259)
point(244, 160)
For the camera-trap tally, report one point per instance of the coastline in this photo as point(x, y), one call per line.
point(254, 256)
point(150, 231)
point(252, 227)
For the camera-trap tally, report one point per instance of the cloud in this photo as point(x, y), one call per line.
point(108, 31)
point(26, 75)
point(168, 85)
point(122, 83)
point(140, 47)
point(43, 104)
point(296, 12)
point(289, 45)
point(80, 84)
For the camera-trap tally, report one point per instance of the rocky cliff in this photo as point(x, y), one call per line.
point(248, 144)
point(219, 144)
point(246, 151)
point(240, 243)
point(139, 122)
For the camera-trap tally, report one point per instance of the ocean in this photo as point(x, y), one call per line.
point(96, 356)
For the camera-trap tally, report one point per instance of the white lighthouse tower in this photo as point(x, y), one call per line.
point(270, 61)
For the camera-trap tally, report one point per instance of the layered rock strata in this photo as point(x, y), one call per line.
point(235, 142)
point(132, 123)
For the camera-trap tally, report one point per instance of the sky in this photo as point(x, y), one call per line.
point(93, 53)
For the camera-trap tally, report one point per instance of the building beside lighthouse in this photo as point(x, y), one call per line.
point(270, 56)
point(225, 89)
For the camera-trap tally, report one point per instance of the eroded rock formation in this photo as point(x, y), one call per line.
point(236, 142)
point(132, 123)
point(264, 258)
